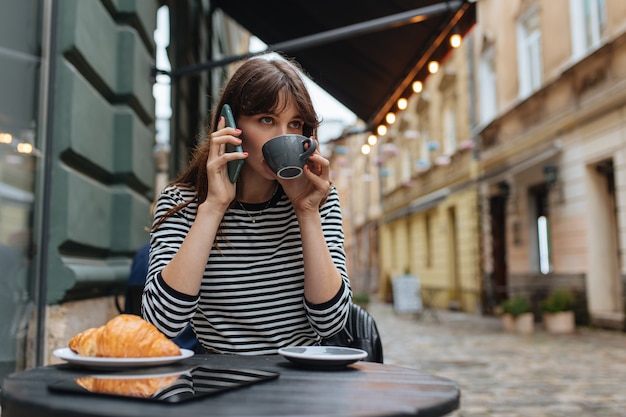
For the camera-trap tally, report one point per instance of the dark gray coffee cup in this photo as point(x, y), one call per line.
point(286, 154)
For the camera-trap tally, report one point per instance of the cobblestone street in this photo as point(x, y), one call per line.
point(510, 375)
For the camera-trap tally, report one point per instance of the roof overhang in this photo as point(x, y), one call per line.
point(365, 53)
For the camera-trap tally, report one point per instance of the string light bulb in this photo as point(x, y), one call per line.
point(6, 138)
point(403, 103)
point(455, 40)
point(366, 149)
point(390, 118)
point(372, 139)
point(24, 147)
point(417, 86)
point(381, 130)
point(433, 67)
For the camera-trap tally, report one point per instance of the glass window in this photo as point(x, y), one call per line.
point(529, 63)
point(407, 165)
point(541, 256)
point(17, 173)
point(588, 24)
point(449, 127)
point(543, 244)
point(428, 258)
point(424, 160)
point(487, 85)
point(19, 71)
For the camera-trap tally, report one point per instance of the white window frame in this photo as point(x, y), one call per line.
point(449, 127)
point(425, 138)
point(587, 26)
point(488, 102)
point(423, 127)
point(529, 62)
point(406, 167)
point(539, 234)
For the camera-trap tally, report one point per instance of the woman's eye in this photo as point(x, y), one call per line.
point(296, 124)
point(266, 120)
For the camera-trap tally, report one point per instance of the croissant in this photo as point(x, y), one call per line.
point(86, 343)
point(125, 336)
point(135, 387)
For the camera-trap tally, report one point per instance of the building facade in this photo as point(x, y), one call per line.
point(552, 149)
point(430, 203)
point(504, 174)
point(354, 172)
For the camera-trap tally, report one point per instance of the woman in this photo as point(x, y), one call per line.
point(259, 264)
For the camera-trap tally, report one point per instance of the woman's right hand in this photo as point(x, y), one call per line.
point(220, 191)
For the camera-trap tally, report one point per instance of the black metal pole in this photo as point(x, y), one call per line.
point(333, 35)
point(41, 286)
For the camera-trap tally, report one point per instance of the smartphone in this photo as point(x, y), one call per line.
point(233, 166)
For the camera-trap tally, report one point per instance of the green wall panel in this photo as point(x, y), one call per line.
point(88, 211)
point(68, 244)
point(95, 231)
point(132, 215)
point(92, 131)
point(86, 120)
point(113, 58)
point(133, 145)
point(103, 135)
point(88, 36)
point(134, 67)
point(142, 12)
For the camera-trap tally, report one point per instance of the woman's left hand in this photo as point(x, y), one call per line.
point(309, 190)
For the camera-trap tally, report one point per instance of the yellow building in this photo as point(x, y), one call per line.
point(354, 172)
point(429, 227)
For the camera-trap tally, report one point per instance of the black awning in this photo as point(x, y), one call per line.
point(365, 53)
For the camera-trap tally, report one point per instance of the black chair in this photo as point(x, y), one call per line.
point(360, 332)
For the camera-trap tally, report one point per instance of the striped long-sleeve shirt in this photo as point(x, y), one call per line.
point(251, 299)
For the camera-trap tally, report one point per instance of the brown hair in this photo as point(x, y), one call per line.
point(256, 87)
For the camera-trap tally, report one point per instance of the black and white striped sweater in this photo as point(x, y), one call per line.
point(251, 299)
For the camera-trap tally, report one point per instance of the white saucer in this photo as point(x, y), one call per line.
point(322, 356)
point(69, 355)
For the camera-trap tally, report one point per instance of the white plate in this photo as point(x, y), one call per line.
point(69, 355)
point(322, 356)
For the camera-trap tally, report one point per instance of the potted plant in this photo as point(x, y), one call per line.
point(517, 315)
point(362, 299)
point(558, 311)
